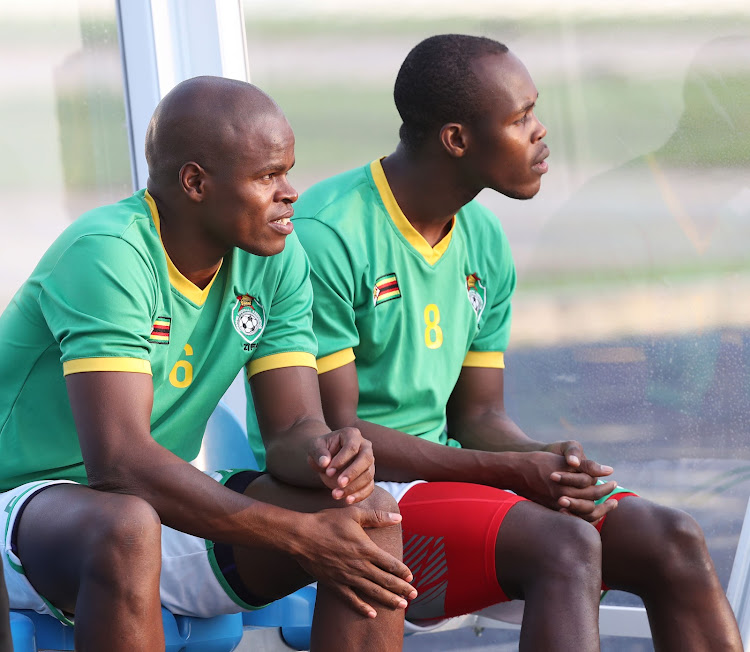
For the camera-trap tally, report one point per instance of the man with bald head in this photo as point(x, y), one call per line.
point(114, 354)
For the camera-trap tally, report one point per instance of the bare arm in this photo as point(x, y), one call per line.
point(477, 418)
point(496, 452)
point(112, 414)
point(300, 448)
point(400, 457)
point(6, 643)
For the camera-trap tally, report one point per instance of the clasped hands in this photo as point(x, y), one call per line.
point(577, 481)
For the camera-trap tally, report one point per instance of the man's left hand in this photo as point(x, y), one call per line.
point(344, 461)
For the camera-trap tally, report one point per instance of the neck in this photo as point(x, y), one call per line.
point(189, 250)
point(426, 190)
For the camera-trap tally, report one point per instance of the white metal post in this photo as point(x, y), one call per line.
point(164, 42)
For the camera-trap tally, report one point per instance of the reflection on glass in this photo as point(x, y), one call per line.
point(631, 315)
point(64, 138)
point(641, 274)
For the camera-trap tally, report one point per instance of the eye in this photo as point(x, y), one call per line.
point(522, 119)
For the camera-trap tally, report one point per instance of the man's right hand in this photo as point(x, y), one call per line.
point(337, 552)
point(539, 479)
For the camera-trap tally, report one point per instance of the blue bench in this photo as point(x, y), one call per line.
point(32, 631)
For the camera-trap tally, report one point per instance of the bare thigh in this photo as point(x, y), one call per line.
point(65, 528)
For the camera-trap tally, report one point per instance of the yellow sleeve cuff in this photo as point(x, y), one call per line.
point(489, 359)
point(279, 361)
point(135, 365)
point(335, 360)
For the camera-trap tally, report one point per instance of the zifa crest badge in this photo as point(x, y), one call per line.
point(477, 294)
point(248, 317)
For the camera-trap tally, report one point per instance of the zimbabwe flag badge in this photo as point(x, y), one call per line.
point(160, 333)
point(386, 288)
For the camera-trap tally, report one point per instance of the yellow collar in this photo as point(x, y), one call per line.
point(413, 237)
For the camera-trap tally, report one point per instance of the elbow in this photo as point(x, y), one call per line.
point(112, 478)
point(107, 485)
point(278, 456)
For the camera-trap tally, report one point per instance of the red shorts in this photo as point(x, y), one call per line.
point(450, 530)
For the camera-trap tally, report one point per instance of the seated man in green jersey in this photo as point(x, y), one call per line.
point(114, 354)
point(413, 283)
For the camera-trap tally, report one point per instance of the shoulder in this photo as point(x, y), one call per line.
point(122, 227)
point(128, 219)
point(481, 228)
point(337, 199)
point(333, 215)
point(116, 235)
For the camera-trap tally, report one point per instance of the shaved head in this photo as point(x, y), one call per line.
point(202, 120)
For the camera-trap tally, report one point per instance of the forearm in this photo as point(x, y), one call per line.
point(493, 431)
point(400, 457)
point(287, 453)
point(187, 499)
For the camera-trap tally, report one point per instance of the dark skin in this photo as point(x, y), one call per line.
point(232, 192)
point(6, 644)
point(656, 552)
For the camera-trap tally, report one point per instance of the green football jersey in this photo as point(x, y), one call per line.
point(106, 297)
point(411, 315)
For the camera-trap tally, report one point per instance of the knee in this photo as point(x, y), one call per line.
point(565, 551)
point(388, 538)
point(677, 543)
point(380, 500)
point(124, 534)
point(574, 548)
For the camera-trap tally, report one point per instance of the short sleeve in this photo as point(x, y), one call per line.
point(288, 338)
point(98, 302)
point(333, 281)
point(494, 327)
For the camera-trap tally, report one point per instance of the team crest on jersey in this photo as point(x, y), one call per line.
point(477, 294)
point(386, 288)
point(248, 317)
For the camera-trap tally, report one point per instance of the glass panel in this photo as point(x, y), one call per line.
point(64, 137)
point(631, 320)
point(630, 317)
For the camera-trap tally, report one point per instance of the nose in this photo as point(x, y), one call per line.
point(286, 192)
point(540, 131)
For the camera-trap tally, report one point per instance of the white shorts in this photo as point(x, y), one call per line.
point(397, 489)
point(191, 582)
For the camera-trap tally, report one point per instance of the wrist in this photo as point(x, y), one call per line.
point(500, 469)
point(295, 533)
point(277, 528)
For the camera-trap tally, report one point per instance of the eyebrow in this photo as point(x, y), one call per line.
point(528, 105)
point(275, 168)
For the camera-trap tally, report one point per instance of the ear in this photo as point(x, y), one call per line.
point(454, 138)
point(193, 181)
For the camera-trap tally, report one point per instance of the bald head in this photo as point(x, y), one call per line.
point(202, 119)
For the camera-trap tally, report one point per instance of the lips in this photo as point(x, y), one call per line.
point(540, 164)
point(283, 225)
point(544, 155)
point(284, 219)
